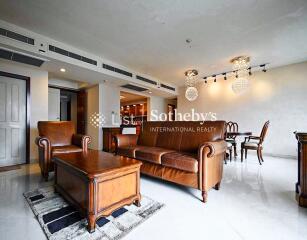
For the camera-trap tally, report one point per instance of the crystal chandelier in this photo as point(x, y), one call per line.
point(191, 92)
point(241, 69)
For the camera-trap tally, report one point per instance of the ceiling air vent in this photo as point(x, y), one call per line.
point(135, 88)
point(72, 55)
point(167, 87)
point(146, 80)
point(17, 57)
point(16, 36)
point(117, 70)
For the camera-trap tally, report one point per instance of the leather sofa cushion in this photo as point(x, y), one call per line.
point(127, 151)
point(182, 161)
point(65, 149)
point(150, 154)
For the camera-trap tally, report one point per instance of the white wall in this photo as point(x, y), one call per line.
point(279, 95)
point(104, 100)
point(56, 82)
point(38, 97)
point(93, 108)
point(155, 106)
point(109, 97)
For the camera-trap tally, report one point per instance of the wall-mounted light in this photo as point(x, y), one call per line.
point(225, 77)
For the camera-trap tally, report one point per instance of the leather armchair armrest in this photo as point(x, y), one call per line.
point(210, 163)
point(43, 142)
point(123, 140)
point(44, 154)
point(81, 140)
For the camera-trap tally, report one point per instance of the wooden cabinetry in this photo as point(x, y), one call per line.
point(301, 185)
point(108, 138)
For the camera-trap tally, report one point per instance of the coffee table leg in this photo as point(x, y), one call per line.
point(91, 223)
point(137, 202)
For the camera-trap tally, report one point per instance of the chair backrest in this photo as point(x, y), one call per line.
point(264, 131)
point(58, 132)
point(232, 127)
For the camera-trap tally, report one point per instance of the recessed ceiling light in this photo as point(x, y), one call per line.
point(150, 92)
point(63, 70)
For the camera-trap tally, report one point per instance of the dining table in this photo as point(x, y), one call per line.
point(232, 134)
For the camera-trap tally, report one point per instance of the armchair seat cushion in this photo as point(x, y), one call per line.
point(65, 149)
point(127, 151)
point(229, 144)
point(151, 154)
point(182, 161)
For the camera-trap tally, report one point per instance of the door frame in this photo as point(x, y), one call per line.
point(28, 80)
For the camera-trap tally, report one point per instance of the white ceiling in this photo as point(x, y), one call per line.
point(149, 36)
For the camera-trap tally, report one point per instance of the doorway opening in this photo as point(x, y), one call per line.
point(67, 105)
point(133, 111)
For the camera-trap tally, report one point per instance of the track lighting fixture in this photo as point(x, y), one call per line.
point(235, 73)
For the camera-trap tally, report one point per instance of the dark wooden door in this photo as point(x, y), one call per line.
point(81, 111)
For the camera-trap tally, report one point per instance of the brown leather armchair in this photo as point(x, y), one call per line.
point(57, 138)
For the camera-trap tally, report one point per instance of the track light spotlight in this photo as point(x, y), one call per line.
point(263, 65)
point(206, 81)
point(249, 71)
point(214, 77)
point(225, 77)
point(237, 74)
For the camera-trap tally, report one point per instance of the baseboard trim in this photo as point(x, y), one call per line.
point(275, 155)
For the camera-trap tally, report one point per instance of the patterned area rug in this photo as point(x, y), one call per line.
point(59, 220)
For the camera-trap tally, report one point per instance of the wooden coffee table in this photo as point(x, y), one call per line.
point(97, 183)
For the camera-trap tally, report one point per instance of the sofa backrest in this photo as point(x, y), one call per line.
point(58, 132)
point(202, 132)
point(181, 135)
point(147, 135)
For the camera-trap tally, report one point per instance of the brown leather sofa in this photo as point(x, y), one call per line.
point(187, 153)
point(57, 138)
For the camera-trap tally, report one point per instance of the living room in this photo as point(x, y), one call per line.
point(153, 119)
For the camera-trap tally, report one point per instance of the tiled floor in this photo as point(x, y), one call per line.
point(254, 202)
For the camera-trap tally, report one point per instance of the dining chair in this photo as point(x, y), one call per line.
point(255, 144)
point(231, 139)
